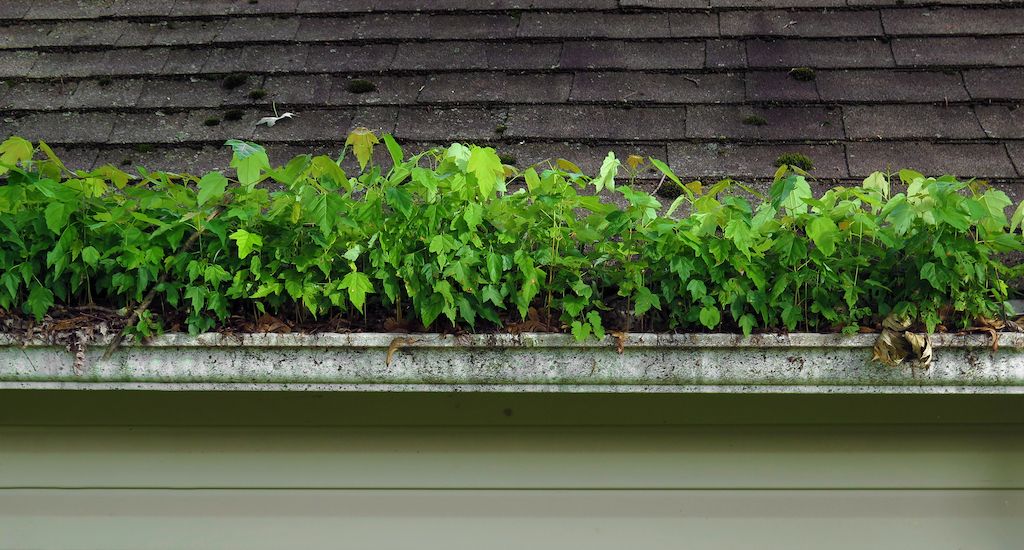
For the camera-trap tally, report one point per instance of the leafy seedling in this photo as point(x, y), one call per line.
point(234, 115)
point(212, 121)
point(257, 94)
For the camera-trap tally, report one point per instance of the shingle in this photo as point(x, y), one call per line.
point(959, 51)
point(725, 54)
point(818, 53)
point(269, 58)
point(298, 89)
point(774, 123)
point(751, 160)
point(96, 94)
point(911, 121)
point(69, 9)
point(963, 160)
point(85, 33)
point(24, 35)
point(779, 3)
point(490, 87)
point(596, 122)
point(65, 127)
point(192, 92)
point(37, 96)
point(995, 83)
point(17, 63)
point(632, 55)
point(805, 24)
point(935, 21)
point(457, 124)
point(890, 86)
point(348, 58)
point(259, 29)
point(476, 55)
point(1001, 121)
point(327, 124)
point(401, 90)
point(594, 25)
point(173, 33)
point(639, 87)
point(779, 86)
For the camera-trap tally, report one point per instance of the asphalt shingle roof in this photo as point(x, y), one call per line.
point(934, 86)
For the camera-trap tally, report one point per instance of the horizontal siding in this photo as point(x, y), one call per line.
point(724, 457)
point(144, 519)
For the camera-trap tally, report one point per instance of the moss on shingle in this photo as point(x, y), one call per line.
point(798, 160)
point(234, 80)
point(360, 86)
point(803, 74)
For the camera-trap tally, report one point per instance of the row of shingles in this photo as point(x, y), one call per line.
point(932, 22)
point(76, 9)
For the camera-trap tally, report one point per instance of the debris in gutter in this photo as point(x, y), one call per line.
point(896, 345)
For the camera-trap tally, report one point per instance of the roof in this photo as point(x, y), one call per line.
point(706, 84)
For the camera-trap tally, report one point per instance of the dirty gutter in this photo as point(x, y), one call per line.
point(649, 363)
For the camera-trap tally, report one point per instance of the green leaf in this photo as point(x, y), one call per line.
point(910, 176)
point(664, 169)
point(1018, 216)
point(790, 193)
point(609, 168)
point(747, 323)
point(246, 242)
point(697, 289)
point(485, 164)
point(399, 199)
point(324, 166)
point(825, 233)
point(90, 256)
point(741, 234)
point(249, 161)
point(362, 140)
point(877, 182)
point(595, 323)
point(352, 254)
point(645, 300)
point(13, 151)
point(930, 274)
point(211, 187)
point(710, 316)
point(495, 267)
point(580, 331)
point(57, 215)
point(474, 215)
point(40, 300)
point(358, 285)
point(397, 156)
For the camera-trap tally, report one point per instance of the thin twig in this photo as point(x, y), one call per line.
point(116, 342)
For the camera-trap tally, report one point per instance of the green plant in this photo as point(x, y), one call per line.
point(797, 160)
point(257, 94)
point(439, 240)
point(234, 114)
point(211, 121)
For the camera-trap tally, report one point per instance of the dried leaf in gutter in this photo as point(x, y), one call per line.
point(921, 349)
point(896, 346)
point(891, 348)
point(397, 344)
